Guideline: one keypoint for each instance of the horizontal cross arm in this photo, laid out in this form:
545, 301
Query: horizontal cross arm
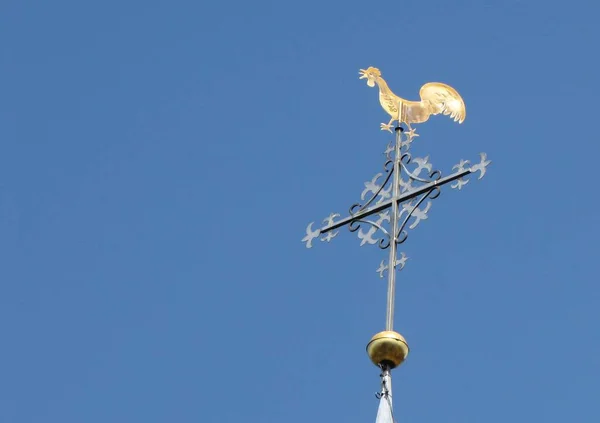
401, 199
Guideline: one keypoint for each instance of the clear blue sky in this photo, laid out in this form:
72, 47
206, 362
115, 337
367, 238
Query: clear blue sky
159, 162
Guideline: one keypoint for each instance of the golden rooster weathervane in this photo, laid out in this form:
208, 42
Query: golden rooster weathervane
395, 201
436, 98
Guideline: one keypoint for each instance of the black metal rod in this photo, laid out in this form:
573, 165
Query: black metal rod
406, 196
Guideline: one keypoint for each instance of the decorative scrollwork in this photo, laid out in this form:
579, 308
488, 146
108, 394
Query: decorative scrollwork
402, 261
329, 221
410, 135
401, 236
461, 182
399, 264
414, 212
310, 235
435, 193
422, 164
481, 167
375, 189
382, 268
417, 183
366, 237
391, 147
461, 167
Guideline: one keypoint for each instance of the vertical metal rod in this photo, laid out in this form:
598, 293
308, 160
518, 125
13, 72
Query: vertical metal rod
391, 293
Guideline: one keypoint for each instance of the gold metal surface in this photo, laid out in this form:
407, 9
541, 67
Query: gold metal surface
436, 98
388, 347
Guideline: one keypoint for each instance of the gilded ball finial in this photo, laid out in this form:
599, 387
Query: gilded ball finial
387, 348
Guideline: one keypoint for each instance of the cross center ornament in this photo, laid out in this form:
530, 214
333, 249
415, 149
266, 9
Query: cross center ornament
396, 200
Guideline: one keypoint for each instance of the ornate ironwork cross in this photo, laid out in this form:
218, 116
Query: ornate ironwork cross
396, 197
397, 200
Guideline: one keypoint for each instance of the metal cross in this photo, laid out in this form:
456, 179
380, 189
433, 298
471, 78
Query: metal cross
397, 203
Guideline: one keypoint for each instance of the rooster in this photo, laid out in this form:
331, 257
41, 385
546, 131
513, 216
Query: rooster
436, 98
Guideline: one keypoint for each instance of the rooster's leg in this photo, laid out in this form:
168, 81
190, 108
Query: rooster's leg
387, 126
